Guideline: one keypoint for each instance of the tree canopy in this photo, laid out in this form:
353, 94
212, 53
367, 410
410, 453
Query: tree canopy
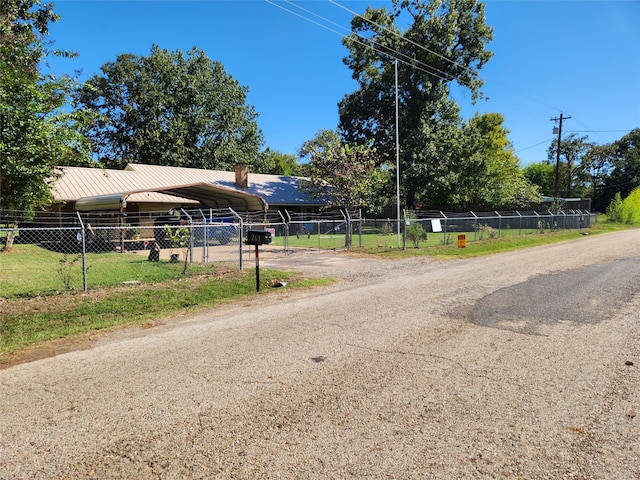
278, 163
444, 44
541, 174
348, 176
572, 174
171, 109
489, 175
625, 173
37, 132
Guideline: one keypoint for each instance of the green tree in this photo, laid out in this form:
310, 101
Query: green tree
277, 163
541, 174
598, 163
348, 176
614, 210
37, 133
168, 109
625, 172
573, 178
489, 175
443, 45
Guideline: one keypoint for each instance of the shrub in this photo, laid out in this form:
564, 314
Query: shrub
416, 233
614, 209
627, 210
630, 211
488, 229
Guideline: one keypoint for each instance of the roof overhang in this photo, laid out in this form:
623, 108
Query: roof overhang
210, 196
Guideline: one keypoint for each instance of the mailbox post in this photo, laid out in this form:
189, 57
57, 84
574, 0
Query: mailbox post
257, 237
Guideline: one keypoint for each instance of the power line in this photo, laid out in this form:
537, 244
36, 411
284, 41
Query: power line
535, 145
439, 55
369, 43
422, 47
405, 59
600, 131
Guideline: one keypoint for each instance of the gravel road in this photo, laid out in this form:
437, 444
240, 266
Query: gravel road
517, 365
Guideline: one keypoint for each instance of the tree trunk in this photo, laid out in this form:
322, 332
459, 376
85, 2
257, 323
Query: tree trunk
11, 235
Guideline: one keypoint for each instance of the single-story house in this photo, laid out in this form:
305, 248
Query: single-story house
143, 188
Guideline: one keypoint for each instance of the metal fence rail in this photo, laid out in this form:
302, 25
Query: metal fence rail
82, 250
482, 225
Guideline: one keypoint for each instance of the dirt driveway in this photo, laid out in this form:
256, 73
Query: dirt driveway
516, 365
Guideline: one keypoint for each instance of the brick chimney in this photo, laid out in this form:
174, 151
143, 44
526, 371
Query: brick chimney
242, 176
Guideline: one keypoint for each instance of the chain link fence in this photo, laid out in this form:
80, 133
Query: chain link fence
484, 225
73, 251
56, 252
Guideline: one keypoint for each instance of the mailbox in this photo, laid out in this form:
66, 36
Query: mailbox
258, 237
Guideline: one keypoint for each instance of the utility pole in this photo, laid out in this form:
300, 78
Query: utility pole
397, 156
556, 184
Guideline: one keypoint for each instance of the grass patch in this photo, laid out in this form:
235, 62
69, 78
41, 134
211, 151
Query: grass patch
30, 270
488, 246
28, 322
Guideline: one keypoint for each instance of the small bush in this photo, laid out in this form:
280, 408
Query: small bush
613, 211
488, 229
625, 211
66, 269
416, 233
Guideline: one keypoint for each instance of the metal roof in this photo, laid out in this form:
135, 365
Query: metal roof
277, 190
154, 183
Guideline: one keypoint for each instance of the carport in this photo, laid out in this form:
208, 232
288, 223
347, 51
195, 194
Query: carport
208, 195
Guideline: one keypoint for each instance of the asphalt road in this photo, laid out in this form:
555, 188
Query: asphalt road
516, 365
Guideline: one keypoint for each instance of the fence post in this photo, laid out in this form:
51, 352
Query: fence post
360, 228
235, 214
83, 234
347, 231
444, 230
287, 230
475, 226
406, 223
286, 233
519, 222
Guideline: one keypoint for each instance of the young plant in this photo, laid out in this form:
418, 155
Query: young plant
416, 233
65, 269
180, 238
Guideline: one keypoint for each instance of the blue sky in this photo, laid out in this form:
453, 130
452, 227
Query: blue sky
581, 58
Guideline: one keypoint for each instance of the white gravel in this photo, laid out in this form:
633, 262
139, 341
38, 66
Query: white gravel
514, 365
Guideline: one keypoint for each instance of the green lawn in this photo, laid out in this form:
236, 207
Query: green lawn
375, 240
30, 270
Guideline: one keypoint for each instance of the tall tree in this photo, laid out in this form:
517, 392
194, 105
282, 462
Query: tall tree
168, 109
36, 132
347, 176
444, 44
573, 178
625, 175
490, 175
277, 163
541, 174
597, 162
